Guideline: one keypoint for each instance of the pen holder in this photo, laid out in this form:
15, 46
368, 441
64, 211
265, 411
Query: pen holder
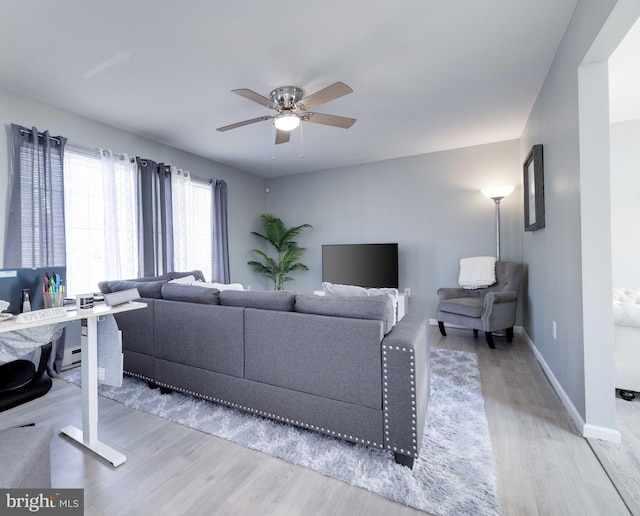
53, 299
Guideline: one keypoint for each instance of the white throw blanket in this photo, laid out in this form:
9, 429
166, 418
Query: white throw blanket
477, 272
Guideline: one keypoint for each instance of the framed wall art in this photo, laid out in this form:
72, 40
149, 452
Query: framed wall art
533, 169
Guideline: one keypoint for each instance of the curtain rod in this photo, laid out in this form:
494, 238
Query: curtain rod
40, 135
96, 151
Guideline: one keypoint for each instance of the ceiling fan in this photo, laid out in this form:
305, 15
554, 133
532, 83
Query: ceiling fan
293, 108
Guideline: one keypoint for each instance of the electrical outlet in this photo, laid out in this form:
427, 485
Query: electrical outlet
554, 329
100, 373
407, 292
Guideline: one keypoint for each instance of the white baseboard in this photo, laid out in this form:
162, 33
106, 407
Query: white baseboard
566, 401
602, 433
586, 430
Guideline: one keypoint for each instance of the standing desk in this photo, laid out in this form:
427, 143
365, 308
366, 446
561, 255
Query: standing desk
88, 435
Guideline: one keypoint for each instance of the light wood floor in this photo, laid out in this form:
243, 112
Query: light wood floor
544, 467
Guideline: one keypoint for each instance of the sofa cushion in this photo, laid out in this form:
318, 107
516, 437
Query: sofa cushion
379, 308
469, 306
328, 357
26, 458
201, 336
151, 289
106, 287
281, 300
626, 307
190, 294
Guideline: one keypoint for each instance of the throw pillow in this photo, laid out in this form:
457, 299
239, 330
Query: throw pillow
280, 300
379, 308
335, 290
219, 286
184, 279
151, 289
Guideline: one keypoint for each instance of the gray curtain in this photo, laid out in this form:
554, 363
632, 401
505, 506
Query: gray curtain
156, 227
220, 238
35, 235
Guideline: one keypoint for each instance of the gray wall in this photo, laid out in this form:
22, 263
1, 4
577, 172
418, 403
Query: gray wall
430, 204
625, 208
246, 191
554, 254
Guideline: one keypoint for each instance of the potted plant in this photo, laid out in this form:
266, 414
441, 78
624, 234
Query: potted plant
277, 235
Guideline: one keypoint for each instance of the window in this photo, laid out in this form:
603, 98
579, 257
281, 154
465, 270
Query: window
84, 222
101, 220
191, 224
200, 228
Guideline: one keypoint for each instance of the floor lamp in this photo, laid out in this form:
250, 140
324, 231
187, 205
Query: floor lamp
497, 193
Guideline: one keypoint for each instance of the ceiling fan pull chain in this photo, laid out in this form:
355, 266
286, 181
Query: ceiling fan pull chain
273, 142
301, 156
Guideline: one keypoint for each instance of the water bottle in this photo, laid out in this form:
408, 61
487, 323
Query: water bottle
25, 300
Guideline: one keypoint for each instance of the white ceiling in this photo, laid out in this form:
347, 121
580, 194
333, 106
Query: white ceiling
427, 75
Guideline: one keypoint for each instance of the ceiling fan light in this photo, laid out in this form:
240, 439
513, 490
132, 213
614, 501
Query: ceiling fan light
287, 121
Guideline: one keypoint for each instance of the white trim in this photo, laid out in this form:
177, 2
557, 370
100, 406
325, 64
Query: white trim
586, 430
566, 401
602, 433
595, 219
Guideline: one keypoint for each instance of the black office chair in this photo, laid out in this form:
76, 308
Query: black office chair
20, 381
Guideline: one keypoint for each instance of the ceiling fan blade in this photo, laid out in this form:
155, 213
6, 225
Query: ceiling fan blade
334, 91
282, 136
246, 122
332, 120
256, 97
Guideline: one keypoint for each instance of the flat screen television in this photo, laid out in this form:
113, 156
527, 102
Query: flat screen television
365, 265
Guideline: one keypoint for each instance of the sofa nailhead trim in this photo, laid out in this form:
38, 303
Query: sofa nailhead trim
414, 416
250, 409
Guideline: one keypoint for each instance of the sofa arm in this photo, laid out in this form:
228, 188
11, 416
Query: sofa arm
499, 310
500, 297
451, 293
406, 385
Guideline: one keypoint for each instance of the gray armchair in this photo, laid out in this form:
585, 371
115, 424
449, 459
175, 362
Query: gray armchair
488, 309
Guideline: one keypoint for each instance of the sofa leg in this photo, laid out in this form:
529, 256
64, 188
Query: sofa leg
510, 334
475, 332
441, 326
489, 337
403, 460
165, 390
152, 385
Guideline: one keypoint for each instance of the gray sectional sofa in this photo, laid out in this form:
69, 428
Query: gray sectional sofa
336, 365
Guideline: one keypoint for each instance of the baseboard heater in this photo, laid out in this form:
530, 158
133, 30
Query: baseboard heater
72, 357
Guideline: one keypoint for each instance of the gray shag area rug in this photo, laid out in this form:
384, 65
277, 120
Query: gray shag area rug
455, 474
622, 461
